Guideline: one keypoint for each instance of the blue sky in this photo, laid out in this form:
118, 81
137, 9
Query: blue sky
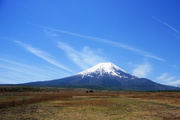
50, 39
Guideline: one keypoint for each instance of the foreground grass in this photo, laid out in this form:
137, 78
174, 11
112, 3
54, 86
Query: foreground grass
117, 108
96, 106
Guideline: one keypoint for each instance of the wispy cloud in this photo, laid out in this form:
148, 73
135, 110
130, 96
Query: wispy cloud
45, 56
163, 76
109, 42
173, 66
169, 26
85, 58
50, 33
168, 79
16, 72
142, 70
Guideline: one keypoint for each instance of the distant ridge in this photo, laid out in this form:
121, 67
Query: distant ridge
104, 76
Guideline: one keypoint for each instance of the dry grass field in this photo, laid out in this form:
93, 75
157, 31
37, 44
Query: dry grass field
79, 105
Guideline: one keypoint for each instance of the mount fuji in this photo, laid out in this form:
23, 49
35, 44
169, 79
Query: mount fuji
105, 76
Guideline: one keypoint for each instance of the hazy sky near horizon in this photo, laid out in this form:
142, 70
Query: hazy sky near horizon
50, 39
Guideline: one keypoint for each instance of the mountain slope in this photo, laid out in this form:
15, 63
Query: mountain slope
105, 76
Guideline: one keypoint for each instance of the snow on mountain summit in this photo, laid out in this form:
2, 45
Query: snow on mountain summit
105, 68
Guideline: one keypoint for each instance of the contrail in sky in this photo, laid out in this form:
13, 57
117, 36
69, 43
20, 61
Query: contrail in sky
172, 28
113, 43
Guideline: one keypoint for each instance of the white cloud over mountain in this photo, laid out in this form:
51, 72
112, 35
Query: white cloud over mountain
84, 58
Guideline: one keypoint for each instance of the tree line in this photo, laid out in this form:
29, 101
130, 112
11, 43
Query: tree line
26, 89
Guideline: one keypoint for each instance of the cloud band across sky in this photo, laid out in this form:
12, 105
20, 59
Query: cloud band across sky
45, 56
109, 42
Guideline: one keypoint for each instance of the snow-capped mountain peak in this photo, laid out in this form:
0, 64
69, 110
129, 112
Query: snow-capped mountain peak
105, 69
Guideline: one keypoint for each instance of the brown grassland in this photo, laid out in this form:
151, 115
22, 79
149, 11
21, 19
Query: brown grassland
99, 105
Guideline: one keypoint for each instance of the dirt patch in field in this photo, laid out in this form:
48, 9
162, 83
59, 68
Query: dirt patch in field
100, 102
165, 112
